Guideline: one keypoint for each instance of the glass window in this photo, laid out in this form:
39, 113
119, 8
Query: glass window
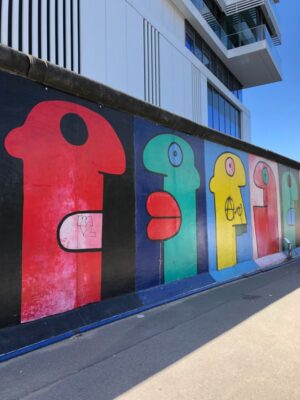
198, 49
222, 115
220, 71
210, 107
227, 118
237, 122
213, 64
216, 110
203, 52
226, 73
189, 43
206, 56
232, 122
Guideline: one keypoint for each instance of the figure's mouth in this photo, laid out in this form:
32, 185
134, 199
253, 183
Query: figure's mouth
166, 216
81, 231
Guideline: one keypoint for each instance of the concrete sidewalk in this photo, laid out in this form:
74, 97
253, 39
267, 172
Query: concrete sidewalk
240, 341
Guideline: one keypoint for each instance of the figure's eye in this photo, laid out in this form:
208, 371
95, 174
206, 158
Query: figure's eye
175, 154
230, 166
265, 176
74, 129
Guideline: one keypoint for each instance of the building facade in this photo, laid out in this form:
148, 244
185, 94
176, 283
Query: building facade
191, 57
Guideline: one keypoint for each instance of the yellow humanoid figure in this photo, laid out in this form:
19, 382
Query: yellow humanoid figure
229, 177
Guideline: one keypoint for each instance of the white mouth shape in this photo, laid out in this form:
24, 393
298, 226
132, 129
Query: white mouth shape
81, 231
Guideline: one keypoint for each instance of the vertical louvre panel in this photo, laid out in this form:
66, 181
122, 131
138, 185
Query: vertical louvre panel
75, 36
196, 93
48, 29
52, 30
60, 32
34, 28
146, 66
151, 64
9, 33
157, 68
68, 42
4, 21
25, 27
44, 30
15, 24
150, 57
78, 36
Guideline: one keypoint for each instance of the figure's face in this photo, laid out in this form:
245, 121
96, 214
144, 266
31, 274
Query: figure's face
290, 196
61, 130
263, 176
66, 150
171, 156
229, 177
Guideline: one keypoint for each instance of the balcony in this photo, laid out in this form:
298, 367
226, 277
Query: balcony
252, 35
253, 57
250, 53
230, 7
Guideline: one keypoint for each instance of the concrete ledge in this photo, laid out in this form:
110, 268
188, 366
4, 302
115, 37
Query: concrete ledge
59, 78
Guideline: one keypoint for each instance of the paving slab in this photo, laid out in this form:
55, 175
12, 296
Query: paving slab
239, 341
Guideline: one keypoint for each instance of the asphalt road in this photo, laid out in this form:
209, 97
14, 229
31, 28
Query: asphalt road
240, 341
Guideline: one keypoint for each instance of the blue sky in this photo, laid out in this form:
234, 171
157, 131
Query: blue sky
275, 108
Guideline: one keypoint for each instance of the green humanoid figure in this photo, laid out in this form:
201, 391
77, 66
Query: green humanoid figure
173, 158
290, 194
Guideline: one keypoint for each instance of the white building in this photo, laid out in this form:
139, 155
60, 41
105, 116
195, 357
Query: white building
190, 57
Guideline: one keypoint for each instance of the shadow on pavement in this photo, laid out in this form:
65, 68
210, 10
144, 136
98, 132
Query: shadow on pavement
104, 363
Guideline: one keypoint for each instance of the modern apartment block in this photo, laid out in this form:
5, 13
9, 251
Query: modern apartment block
191, 57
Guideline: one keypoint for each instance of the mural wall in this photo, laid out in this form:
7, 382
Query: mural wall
96, 203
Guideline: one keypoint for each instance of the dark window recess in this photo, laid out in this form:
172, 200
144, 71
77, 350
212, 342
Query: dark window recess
222, 115
204, 53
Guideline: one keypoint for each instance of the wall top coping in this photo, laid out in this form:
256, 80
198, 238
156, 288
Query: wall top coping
56, 77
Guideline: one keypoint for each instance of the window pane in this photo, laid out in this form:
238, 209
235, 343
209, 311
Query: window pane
206, 56
222, 113
213, 64
232, 121
226, 72
189, 43
210, 107
238, 128
216, 110
220, 71
198, 48
227, 118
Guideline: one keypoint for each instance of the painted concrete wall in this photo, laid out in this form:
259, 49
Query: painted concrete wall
98, 203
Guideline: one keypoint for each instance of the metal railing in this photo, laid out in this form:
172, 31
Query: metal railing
253, 35
244, 37
219, 30
211, 20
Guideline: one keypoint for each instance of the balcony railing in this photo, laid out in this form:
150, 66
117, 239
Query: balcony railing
253, 35
224, 37
244, 37
211, 20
